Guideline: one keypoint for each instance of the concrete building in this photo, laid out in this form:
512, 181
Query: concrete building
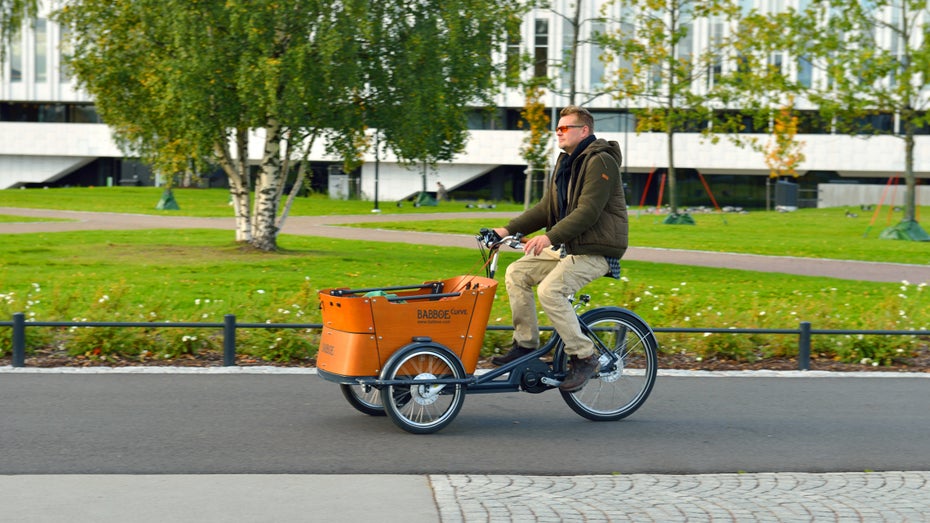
50, 135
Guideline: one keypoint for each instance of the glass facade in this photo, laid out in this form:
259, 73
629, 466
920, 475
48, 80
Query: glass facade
37, 85
48, 112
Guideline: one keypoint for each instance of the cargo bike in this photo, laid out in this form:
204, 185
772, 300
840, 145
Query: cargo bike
410, 352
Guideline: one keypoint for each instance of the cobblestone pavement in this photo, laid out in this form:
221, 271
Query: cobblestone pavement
862, 496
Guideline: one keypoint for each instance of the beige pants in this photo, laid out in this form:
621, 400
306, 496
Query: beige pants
557, 279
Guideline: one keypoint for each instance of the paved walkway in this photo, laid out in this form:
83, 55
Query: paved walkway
847, 497
852, 496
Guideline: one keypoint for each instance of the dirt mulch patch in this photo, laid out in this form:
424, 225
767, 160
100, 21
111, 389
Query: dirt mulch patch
46, 358
921, 363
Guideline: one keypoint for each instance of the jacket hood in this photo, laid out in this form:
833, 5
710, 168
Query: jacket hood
610, 147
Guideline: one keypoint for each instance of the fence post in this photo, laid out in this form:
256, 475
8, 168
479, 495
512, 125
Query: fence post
19, 340
804, 346
229, 340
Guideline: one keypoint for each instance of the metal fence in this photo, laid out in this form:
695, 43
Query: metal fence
804, 332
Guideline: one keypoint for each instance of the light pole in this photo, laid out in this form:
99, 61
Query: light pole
377, 166
626, 139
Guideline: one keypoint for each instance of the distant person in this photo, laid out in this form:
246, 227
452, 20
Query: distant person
584, 216
441, 193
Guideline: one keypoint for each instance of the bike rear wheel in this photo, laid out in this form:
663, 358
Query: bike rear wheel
428, 407
620, 388
364, 398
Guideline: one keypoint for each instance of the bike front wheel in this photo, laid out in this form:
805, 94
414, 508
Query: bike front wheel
423, 408
621, 386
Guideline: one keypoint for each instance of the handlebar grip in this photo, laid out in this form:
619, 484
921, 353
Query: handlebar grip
488, 236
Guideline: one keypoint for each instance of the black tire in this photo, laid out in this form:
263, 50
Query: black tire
367, 401
616, 392
423, 409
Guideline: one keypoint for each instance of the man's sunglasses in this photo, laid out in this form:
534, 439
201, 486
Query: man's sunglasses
564, 128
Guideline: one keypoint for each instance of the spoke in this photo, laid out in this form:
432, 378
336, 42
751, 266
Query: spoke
427, 406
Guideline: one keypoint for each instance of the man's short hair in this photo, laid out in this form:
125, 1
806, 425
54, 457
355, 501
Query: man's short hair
583, 115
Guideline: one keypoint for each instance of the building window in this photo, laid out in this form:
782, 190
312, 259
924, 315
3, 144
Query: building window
83, 113
686, 42
541, 49
625, 63
41, 51
568, 66
64, 71
715, 67
52, 112
16, 57
805, 71
775, 61
597, 65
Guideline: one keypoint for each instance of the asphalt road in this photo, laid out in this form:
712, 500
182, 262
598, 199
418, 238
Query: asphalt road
116, 423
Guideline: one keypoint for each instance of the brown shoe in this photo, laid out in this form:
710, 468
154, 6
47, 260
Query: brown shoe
516, 352
579, 372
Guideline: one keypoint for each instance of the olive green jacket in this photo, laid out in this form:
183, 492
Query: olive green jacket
596, 217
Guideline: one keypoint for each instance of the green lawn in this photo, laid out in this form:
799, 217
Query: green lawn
808, 233
200, 202
815, 233
9, 218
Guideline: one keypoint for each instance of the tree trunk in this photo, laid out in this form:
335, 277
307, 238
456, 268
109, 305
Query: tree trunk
424, 175
301, 176
237, 172
910, 193
672, 180
240, 202
573, 66
528, 188
267, 191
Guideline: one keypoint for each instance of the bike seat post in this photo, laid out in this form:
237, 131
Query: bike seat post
583, 300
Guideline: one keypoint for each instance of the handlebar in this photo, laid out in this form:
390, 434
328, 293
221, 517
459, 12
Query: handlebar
489, 239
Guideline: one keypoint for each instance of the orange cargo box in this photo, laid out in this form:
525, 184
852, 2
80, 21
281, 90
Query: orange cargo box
363, 327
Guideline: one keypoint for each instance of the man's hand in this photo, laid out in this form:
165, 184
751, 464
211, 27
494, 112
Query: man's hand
536, 244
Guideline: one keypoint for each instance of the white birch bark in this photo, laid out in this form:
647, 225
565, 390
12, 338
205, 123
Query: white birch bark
238, 174
267, 190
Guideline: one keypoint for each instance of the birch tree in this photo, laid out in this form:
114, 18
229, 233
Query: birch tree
874, 59
181, 81
660, 68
